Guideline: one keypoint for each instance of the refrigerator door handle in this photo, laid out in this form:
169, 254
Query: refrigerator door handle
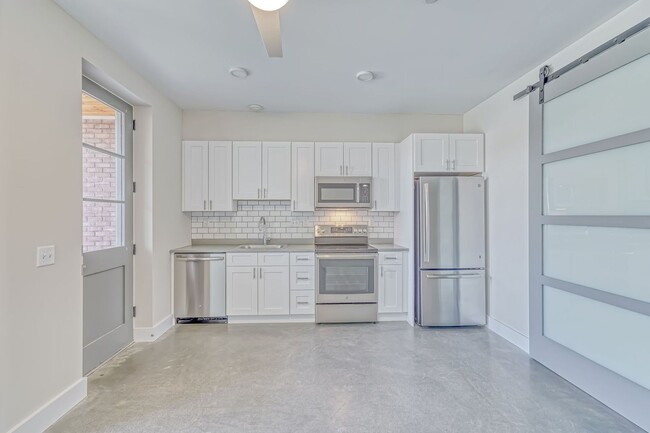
427, 222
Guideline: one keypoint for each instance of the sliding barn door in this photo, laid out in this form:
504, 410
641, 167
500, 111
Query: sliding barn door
590, 227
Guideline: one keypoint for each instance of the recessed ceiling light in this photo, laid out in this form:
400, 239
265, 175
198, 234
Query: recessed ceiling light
268, 5
365, 76
255, 107
238, 72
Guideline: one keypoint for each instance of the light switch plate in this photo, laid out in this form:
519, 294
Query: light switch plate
45, 256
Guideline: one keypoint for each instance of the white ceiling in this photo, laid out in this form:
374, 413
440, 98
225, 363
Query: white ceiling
441, 58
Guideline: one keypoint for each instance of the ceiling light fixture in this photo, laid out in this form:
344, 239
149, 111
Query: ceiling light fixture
255, 107
365, 76
268, 5
238, 72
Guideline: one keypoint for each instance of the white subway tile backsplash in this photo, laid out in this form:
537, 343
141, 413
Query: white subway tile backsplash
281, 222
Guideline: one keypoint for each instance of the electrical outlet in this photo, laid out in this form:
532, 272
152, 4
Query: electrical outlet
45, 256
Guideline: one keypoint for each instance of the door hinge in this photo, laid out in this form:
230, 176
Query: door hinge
134, 249
134, 187
134, 124
134, 311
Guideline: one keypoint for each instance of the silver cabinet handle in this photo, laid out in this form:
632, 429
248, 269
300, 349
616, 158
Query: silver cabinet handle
447, 164
347, 170
265, 193
358, 193
302, 302
258, 193
199, 259
294, 205
210, 204
453, 164
254, 270
341, 169
302, 278
390, 258
382, 271
204, 205
375, 204
302, 259
260, 273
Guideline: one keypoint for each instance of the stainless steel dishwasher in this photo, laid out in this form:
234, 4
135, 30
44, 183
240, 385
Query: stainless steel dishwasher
199, 287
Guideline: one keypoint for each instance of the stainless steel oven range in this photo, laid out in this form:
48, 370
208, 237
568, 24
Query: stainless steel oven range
346, 274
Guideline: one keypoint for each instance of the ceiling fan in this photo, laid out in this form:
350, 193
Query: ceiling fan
267, 17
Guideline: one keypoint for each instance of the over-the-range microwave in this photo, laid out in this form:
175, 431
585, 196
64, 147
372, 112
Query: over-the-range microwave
343, 192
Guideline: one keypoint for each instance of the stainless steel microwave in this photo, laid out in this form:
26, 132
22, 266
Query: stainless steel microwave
343, 192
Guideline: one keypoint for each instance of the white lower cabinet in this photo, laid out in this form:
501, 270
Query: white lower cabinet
241, 290
303, 302
273, 291
391, 283
264, 284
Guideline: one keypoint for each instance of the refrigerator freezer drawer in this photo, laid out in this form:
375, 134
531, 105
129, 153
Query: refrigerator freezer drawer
451, 298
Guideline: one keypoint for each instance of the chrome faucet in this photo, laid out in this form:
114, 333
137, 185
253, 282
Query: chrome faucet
261, 225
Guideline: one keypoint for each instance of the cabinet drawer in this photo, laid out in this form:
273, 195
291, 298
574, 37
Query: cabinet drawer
302, 302
241, 259
273, 259
390, 258
302, 259
302, 278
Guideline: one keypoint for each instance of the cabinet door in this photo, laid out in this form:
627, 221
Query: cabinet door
390, 289
276, 170
328, 159
431, 153
466, 153
358, 159
247, 170
273, 290
195, 176
241, 291
220, 169
384, 177
302, 177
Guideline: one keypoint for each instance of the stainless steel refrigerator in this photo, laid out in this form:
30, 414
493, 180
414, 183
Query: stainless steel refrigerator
450, 251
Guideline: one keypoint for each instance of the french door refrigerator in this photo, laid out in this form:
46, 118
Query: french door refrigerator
450, 251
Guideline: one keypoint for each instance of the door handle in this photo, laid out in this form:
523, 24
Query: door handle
427, 244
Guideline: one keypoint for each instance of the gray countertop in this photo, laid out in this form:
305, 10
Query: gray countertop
290, 248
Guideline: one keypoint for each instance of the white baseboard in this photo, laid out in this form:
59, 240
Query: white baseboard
391, 317
505, 331
147, 335
54, 409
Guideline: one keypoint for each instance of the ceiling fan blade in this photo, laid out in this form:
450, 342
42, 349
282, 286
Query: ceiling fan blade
268, 24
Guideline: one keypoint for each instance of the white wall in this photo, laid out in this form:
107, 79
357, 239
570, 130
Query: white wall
505, 124
230, 125
40, 107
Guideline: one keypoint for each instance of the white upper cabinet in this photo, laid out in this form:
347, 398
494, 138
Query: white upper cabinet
329, 159
343, 159
466, 152
384, 177
261, 170
302, 177
247, 170
448, 153
220, 176
195, 176
431, 152
276, 170
357, 159
207, 176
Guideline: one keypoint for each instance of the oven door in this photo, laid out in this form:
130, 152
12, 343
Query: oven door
346, 278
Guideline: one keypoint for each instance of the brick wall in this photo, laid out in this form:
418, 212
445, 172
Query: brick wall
282, 222
100, 177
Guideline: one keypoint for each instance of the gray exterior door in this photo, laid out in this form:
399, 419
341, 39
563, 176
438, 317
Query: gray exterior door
107, 141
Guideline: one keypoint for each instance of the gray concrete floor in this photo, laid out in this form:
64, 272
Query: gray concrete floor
386, 377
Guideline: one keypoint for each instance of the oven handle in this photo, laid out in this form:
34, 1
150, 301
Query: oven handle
347, 256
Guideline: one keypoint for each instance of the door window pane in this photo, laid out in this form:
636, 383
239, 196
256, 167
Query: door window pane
102, 225
614, 182
610, 336
615, 260
101, 125
609, 106
102, 175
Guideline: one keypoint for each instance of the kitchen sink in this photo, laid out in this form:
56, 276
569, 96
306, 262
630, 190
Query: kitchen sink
262, 247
